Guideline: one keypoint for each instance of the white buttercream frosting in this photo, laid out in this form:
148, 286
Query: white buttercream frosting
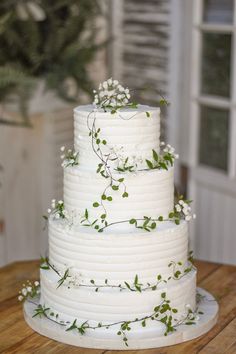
150, 192
110, 306
129, 129
118, 256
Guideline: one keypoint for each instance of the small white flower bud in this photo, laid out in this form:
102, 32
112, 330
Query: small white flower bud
24, 291
62, 156
60, 202
49, 210
36, 283
62, 148
188, 217
20, 298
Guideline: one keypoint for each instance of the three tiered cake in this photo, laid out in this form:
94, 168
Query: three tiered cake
119, 274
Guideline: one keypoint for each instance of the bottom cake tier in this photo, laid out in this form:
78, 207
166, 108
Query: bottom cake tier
132, 326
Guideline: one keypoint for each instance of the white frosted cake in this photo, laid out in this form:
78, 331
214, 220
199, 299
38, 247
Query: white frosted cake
119, 274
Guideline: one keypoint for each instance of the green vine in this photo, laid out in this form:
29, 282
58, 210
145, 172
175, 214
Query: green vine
162, 313
177, 274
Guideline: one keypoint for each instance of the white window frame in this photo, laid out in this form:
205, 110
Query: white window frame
196, 99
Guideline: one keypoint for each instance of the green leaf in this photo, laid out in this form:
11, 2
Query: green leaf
104, 197
128, 286
121, 180
98, 141
160, 218
104, 142
115, 188
109, 198
147, 114
150, 165
103, 216
153, 225
155, 155
86, 213
125, 195
163, 295
96, 204
132, 221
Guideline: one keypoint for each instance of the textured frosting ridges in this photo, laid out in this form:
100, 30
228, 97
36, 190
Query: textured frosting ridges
150, 193
112, 306
129, 129
118, 256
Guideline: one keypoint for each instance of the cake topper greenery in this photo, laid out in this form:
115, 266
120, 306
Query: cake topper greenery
50, 40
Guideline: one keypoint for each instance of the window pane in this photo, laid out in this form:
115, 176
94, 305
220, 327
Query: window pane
216, 53
218, 11
213, 139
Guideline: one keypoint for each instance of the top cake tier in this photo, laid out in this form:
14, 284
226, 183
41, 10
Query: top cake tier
129, 133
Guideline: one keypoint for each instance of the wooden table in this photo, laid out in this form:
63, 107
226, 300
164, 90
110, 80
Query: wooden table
17, 337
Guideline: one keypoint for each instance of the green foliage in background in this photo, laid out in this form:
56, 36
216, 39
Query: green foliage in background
49, 39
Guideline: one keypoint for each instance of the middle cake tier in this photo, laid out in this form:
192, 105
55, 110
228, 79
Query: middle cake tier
144, 193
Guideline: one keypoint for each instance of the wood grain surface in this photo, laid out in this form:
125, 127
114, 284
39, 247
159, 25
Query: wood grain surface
17, 337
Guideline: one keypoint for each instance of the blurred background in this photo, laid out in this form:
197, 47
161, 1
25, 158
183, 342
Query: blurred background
52, 54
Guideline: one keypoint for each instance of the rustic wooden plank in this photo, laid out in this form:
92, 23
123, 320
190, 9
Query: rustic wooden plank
231, 350
41, 345
224, 340
204, 269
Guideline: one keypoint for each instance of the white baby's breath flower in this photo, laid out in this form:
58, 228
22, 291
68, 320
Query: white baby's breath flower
194, 216
49, 210
176, 156
24, 291
128, 95
60, 202
62, 148
188, 217
126, 90
178, 208
20, 297
94, 91
57, 216
109, 81
29, 289
181, 202
105, 85
36, 283
188, 306
115, 82
62, 156
162, 143
185, 211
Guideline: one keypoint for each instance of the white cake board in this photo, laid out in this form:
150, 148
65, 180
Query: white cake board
207, 305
